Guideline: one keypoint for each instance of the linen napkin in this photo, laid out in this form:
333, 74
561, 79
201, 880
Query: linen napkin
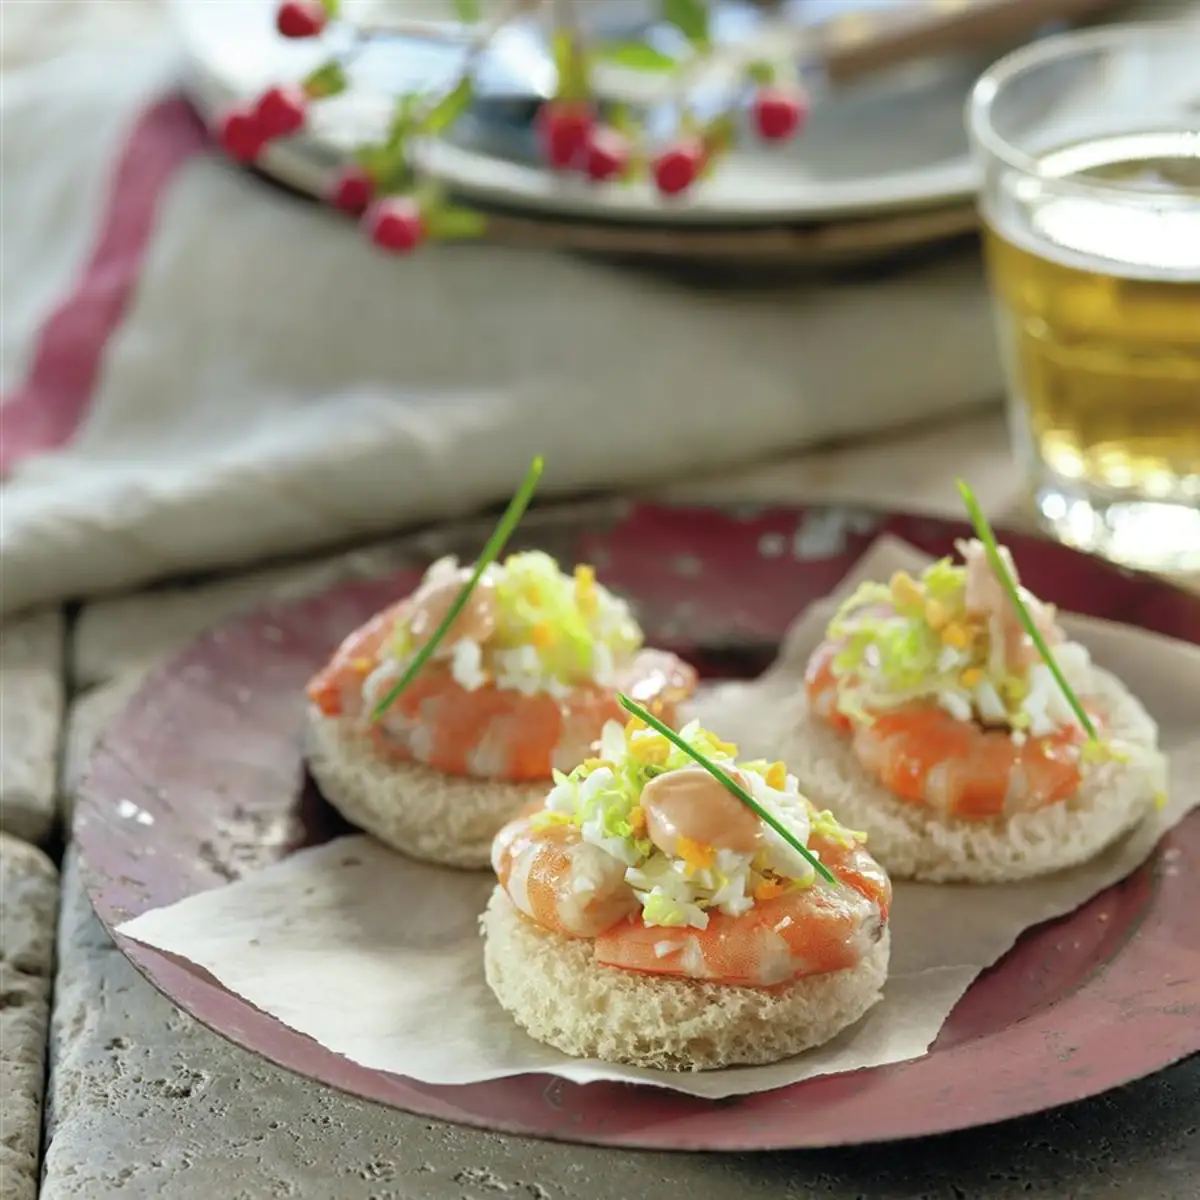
200, 370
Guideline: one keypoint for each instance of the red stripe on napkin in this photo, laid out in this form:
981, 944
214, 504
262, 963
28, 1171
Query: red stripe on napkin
49, 407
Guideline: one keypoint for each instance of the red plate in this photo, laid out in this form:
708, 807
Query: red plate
210, 748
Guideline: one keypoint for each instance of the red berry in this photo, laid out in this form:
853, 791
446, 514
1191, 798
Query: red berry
607, 155
564, 130
240, 135
353, 191
778, 113
677, 168
396, 224
301, 18
280, 112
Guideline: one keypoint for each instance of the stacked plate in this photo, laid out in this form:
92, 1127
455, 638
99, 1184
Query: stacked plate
882, 165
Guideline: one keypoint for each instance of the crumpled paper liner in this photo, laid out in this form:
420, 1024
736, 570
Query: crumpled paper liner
379, 958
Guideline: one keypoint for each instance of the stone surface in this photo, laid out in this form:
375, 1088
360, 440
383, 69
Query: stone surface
89, 714
31, 707
28, 903
145, 1103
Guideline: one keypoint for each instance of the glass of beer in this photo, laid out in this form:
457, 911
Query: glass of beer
1090, 148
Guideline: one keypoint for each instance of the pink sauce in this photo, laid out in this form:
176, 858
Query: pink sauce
690, 803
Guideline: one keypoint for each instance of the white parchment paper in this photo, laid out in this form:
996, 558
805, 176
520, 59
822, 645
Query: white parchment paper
379, 958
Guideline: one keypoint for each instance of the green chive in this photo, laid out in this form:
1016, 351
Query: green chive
496, 543
983, 531
729, 784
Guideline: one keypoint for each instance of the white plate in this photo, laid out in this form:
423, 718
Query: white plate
892, 145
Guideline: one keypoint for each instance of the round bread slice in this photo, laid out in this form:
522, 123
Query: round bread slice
444, 819
556, 991
913, 842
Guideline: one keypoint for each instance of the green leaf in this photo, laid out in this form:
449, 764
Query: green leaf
495, 545
762, 73
398, 182
387, 166
332, 8
983, 531
451, 224
638, 168
468, 11
327, 80
637, 56
430, 193
718, 137
404, 119
449, 108
622, 119
730, 785
719, 134
690, 17
370, 159
574, 74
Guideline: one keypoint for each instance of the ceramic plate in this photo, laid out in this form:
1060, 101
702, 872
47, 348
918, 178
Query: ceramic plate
1080, 1005
890, 145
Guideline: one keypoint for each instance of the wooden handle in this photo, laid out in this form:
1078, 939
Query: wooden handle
859, 44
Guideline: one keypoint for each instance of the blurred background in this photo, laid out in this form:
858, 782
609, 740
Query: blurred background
203, 364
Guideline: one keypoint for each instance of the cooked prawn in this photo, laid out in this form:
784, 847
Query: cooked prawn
985, 598
560, 881
812, 931
958, 750
571, 887
337, 688
821, 687
488, 732
809, 932
855, 867
923, 754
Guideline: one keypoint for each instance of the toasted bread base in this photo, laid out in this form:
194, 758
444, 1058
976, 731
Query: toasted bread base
914, 842
556, 991
444, 819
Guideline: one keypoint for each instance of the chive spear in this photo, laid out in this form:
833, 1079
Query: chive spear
495, 545
729, 784
983, 531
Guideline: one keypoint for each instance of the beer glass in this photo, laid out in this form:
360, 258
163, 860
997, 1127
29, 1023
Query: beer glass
1090, 148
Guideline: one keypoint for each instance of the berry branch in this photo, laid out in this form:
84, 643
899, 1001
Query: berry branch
400, 207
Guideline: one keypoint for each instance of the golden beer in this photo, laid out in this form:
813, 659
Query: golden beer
1093, 255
